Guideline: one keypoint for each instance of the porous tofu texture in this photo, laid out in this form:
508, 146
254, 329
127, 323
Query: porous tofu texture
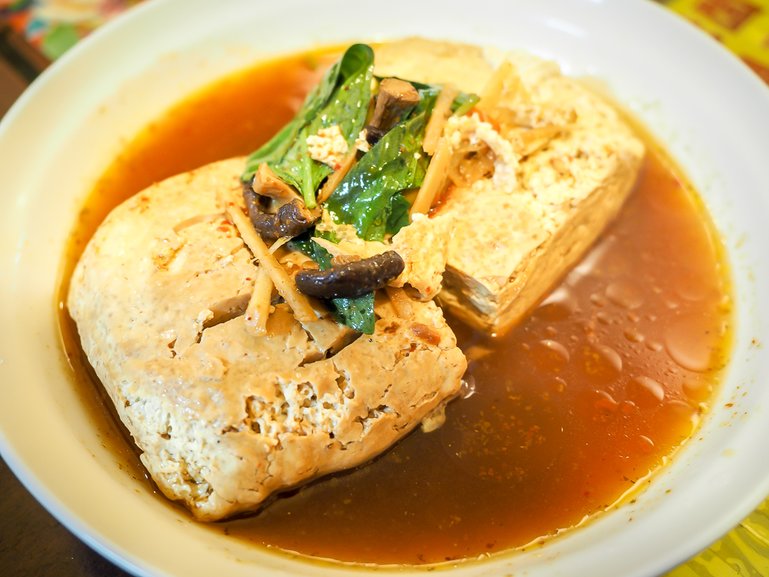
224, 418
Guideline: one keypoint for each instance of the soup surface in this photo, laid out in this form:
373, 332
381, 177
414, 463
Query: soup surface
561, 417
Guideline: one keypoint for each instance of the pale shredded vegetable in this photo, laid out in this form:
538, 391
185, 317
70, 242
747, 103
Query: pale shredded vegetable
280, 278
258, 309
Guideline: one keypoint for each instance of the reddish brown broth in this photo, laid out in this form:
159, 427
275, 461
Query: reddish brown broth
602, 382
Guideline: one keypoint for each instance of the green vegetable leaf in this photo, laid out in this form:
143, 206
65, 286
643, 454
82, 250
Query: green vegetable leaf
341, 98
464, 102
398, 212
367, 196
357, 313
275, 149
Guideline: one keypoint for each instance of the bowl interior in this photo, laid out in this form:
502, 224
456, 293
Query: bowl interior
64, 131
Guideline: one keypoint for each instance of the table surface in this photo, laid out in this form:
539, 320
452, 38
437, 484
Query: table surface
33, 543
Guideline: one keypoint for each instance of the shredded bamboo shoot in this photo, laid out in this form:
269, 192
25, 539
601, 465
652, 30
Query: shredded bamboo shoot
280, 278
441, 112
279, 243
267, 183
527, 141
258, 309
400, 301
435, 179
495, 86
336, 177
329, 335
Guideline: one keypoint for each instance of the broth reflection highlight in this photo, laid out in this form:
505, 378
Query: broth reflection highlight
592, 392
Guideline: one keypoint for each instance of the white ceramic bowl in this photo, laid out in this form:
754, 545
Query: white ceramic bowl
708, 109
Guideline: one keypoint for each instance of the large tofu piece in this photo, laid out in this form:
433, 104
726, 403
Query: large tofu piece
224, 418
516, 232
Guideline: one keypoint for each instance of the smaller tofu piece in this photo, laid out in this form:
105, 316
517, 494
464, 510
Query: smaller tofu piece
517, 233
559, 164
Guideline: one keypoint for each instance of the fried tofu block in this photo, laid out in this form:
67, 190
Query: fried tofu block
540, 167
225, 418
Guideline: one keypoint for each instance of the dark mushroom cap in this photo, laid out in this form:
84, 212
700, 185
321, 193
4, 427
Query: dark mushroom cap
291, 219
353, 279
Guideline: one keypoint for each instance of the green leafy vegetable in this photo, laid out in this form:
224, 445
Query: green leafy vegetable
356, 313
464, 102
341, 98
398, 213
369, 196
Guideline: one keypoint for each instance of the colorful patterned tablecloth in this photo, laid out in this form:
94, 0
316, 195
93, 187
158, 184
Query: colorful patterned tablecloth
54, 26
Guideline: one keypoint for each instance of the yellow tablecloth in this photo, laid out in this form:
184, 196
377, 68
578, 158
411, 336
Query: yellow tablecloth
740, 25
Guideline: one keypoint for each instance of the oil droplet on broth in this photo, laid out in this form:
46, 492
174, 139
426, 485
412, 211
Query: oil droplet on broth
645, 391
690, 340
560, 351
697, 391
624, 294
467, 386
644, 444
690, 286
549, 355
605, 402
602, 363
628, 407
611, 357
681, 412
654, 346
558, 385
603, 317
598, 299
633, 335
